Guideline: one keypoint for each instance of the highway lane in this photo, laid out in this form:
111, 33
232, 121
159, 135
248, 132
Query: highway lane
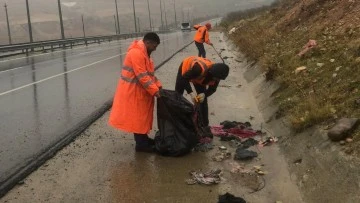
43, 99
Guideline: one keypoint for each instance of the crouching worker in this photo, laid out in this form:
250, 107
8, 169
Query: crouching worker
133, 104
205, 75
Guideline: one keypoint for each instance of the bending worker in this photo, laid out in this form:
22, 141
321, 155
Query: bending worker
205, 75
133, 104
201, 36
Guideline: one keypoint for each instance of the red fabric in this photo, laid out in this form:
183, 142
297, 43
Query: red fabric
242, 133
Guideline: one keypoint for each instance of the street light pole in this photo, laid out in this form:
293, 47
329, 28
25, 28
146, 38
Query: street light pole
8, 25
139, 29
149, 15
116, 29
166, 23
162, 21
134, 15
175, 15
117, 17
29, 21
61, 21
82, 19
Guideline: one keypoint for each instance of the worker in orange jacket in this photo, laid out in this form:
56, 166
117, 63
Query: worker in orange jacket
201, 37
133, 103
205, 75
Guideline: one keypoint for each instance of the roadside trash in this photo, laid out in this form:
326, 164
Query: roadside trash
258, 170
248, 143
209, 178
268, 141
299, 69
229, 198
177, 134
232, 30
228, 138
219, 131
311, 44
203, 147
220, 156
222, 148
244, 154
205, 140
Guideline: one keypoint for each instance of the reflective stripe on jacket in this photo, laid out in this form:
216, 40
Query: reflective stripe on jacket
202, 35
205, 64
133, 103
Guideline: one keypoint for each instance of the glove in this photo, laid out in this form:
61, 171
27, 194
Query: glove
201, 97
193, 97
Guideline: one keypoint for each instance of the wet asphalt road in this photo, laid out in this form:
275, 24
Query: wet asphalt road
43, 96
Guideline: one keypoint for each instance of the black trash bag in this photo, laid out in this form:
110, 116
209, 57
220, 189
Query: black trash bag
244, 154
230, 198
177, 133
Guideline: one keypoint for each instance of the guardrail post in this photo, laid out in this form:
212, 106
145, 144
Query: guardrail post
86, 43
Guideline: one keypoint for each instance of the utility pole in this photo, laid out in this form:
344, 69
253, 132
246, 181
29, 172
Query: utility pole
138, 20
188, 16
8, 25
61, 21
134, 15
29, 21
166, 24
149, 15
117, 17
182, 14
162, 21
175, 15
82, 19
116, 29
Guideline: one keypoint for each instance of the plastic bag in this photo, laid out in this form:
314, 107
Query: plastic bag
177, 133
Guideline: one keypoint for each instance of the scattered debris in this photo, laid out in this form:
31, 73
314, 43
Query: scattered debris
232, 30
222, 148
244, 154
209, 178
342, 142
233, 128
342, 128
268, 141
348, 140
224, 85
203, 147
320, 64
212, 113
300, 69
248, 143
220, 156
251, 117
239, 61
311, 44
332, 60
229, 198
298, 161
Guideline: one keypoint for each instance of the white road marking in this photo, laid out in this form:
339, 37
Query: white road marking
60, 74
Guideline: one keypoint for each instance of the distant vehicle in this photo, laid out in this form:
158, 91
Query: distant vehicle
185, 27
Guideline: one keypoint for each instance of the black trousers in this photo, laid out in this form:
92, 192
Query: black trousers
201, 48
141, 140
204, 109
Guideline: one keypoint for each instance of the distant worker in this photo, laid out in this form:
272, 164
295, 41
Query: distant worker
133, 103
201, 36
202, 73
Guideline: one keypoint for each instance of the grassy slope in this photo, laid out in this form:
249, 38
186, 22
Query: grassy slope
321, 94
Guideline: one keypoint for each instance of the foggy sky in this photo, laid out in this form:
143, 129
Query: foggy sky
100, 12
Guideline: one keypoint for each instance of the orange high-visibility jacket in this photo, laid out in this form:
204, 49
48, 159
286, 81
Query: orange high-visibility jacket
202, 34
133, 104
205, 64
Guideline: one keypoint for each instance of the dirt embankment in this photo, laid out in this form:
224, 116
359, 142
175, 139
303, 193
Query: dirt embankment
306, 103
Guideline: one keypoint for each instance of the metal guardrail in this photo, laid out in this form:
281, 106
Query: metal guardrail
63, 43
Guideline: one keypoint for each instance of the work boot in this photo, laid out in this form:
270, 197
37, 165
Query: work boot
151, 141
143, 144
